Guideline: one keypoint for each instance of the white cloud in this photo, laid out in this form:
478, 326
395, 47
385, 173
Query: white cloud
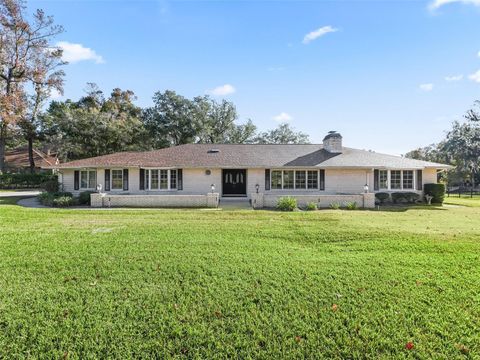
475, 76
77, 52
478, 54
283, 117
276, 68
426, 87
318, 33
439, 3
223, 90
454, 78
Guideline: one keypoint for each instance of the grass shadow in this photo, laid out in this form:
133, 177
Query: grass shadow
404, 208
12, 200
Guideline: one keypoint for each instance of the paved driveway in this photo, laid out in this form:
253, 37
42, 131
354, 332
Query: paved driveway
19, 193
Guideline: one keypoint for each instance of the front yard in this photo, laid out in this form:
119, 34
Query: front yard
217, 284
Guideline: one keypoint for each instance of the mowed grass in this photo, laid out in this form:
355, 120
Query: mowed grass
464, 200
241, 284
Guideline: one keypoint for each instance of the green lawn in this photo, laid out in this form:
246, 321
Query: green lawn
463, 200
243, 284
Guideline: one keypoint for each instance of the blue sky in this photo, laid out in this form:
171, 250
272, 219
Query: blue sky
389, 75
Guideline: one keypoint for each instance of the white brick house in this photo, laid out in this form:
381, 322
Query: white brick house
184, 175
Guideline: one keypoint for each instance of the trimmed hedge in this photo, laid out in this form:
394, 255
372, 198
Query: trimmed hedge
437, 191
84, 197
408, 197
25, 181
382, 197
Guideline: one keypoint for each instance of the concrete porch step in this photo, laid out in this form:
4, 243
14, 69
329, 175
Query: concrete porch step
234, 203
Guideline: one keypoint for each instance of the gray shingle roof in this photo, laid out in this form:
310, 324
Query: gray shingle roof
251, 156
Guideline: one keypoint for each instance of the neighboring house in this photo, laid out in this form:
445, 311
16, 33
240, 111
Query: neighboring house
17, 160
203, 174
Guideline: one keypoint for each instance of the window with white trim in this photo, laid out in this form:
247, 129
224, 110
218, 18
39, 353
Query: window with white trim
395, 179
383, 179
294, 179
300, 180
161, 179
173, 179
117, 179
276, 180
88, 179
288, 179
407, 179
312, 179
154, 180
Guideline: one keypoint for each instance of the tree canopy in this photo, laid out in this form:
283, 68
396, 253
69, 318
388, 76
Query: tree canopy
27, 59
283, 134
461, 148
94, 125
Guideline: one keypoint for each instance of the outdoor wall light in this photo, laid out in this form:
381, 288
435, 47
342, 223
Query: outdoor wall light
213, 188
257, 187
365, 188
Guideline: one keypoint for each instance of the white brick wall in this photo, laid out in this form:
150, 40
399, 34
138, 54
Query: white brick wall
161, 201
196, 181
322, 201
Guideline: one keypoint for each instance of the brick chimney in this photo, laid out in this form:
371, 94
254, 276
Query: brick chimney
333, 142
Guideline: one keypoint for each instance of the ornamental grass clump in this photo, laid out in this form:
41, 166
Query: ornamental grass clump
287, 203
311, 206
351, 205
335, 205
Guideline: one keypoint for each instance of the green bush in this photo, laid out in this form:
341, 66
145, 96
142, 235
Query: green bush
437, 191
411, 197
63, 201
351, 205
382, 197
335, 205
311, 206
51, 186
52, 199
64, 193
397, 197
287, 203
406, 197
84, 197
46, 198
25, 181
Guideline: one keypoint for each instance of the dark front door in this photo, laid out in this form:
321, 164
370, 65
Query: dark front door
234, 182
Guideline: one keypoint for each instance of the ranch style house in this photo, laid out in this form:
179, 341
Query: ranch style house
203, 175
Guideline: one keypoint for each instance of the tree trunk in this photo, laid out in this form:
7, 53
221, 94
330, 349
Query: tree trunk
30, 155
473, 184
2, 149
